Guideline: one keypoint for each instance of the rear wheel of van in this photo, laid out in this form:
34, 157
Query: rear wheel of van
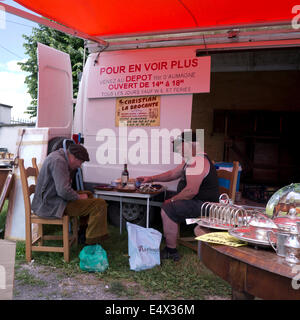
133, 213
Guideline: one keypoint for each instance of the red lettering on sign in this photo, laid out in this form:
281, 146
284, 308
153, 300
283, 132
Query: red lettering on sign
138, 77
156, 66
122, 86
135, 68
186, 63
112, 70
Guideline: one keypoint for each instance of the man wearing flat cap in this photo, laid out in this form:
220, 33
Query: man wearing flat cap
55, 197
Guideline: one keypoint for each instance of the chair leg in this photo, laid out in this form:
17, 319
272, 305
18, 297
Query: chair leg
75, 230
28, 243
66, 243
28, 250
40, 234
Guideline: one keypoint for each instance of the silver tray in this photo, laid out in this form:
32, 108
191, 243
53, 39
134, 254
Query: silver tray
250, 235
209, 224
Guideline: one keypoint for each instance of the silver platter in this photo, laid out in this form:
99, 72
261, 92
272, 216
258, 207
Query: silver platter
251, 236
209, 224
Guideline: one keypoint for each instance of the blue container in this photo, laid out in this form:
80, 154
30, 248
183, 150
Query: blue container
228, 166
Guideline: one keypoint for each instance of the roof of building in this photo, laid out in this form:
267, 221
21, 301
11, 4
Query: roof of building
5, 105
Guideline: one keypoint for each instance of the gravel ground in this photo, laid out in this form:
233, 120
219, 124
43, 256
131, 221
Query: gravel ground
37, 282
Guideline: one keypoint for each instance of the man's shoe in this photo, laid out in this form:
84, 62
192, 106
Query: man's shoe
168, 253
81, 237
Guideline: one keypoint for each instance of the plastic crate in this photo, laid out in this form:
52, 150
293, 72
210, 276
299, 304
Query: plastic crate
228, 166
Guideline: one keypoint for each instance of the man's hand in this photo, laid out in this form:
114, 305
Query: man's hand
83, 196
144, 179
168, 201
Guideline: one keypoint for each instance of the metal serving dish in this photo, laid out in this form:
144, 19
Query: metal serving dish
256, 230
285, 223
252, 236
213, 225
223, 215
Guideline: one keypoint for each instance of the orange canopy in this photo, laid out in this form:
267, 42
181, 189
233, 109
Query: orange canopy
131, 17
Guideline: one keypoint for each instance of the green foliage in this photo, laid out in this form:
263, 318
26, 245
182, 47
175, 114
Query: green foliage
55, 39
3, 214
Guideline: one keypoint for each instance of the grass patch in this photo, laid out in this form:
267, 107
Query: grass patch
120, 289
186, 279
26, 278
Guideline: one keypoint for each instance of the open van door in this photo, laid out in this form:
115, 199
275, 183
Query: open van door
55, 92
54, 119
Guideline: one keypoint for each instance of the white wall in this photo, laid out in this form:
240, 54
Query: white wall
9, 137
5, 114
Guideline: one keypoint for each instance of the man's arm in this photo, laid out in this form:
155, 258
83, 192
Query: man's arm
169, 175
165, 176
60, 174
194, 177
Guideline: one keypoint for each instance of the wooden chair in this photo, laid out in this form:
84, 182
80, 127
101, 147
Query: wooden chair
232, 176
31, 218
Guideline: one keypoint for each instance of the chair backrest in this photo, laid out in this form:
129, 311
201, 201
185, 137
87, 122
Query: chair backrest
28, 190
232, 177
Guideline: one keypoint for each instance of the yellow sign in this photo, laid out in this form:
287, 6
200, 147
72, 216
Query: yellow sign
221, 238
138, 111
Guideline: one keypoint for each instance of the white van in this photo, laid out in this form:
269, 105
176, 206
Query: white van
114, 85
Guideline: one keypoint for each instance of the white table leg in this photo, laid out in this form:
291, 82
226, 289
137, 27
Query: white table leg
147, 221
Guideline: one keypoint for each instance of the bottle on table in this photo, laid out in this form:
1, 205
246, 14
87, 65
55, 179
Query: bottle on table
124, 176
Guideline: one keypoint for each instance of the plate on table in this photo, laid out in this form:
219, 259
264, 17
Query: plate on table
150, 189
104, 187
126, 189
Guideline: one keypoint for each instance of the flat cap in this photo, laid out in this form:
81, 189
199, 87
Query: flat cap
79, 152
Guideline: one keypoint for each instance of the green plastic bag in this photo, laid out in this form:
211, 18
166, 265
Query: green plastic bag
93, 258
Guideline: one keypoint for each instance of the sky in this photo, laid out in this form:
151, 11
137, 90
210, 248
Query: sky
13, 90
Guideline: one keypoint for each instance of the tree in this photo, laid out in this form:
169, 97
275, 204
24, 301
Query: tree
55, 39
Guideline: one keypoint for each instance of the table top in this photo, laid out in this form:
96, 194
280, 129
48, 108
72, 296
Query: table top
135, 194
262, 258
5, 168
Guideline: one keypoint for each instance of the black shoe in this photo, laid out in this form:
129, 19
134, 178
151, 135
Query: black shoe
81, 237
168, 253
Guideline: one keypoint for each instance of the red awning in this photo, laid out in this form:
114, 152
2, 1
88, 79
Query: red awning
115, 17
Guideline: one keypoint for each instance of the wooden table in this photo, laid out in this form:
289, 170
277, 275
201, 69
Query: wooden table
251, 272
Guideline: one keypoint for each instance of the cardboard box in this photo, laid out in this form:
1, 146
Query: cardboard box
7, 266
